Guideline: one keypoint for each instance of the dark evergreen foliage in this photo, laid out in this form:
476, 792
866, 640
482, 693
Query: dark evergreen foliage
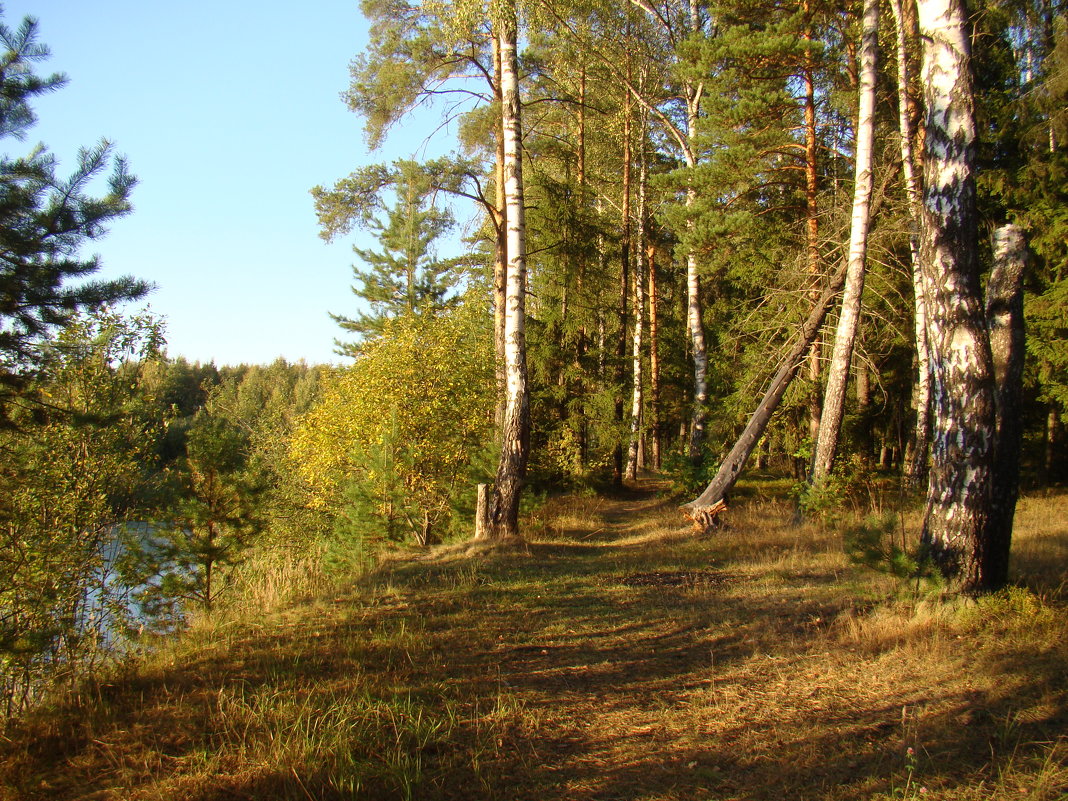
45, 220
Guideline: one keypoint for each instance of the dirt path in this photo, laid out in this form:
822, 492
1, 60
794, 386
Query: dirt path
611, 636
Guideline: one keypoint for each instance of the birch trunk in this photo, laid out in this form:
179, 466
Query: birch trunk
639, 318
916, 461
959, 490
694, 324
1005, 324
834, 396
515, 440
500, 259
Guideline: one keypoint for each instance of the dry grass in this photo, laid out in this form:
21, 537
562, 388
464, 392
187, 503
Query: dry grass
615, 656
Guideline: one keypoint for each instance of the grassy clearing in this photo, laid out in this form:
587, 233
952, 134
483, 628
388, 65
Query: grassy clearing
616, 657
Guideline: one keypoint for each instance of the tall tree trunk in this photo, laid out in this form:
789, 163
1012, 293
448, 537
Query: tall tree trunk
500, 258
1005, 323
812, 225
703, 509
624, 293
655, 430
916, 461
694, 323
962, 387
639, 311
838, 374
582, 340
515, 445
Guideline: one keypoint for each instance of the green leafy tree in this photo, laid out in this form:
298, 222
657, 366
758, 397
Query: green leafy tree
404, 424
75, 466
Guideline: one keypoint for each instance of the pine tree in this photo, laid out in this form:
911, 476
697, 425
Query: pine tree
404, 276
45, 220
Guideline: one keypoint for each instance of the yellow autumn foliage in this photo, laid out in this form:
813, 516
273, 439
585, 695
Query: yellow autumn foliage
423, 390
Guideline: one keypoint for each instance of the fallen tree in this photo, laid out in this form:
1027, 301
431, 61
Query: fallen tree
705, 508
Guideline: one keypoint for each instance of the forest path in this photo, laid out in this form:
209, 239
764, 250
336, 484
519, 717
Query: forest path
616, 655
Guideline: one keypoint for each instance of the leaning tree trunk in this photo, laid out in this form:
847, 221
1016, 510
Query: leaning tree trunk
515, 439
1005, 323
838, 374
959, 491
712, 501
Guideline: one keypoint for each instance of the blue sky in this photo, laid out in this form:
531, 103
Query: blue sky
229, 111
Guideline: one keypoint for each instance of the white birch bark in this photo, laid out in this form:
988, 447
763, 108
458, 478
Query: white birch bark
916, 463
960, 485
694, 324
515, 440
639, 318
849, 319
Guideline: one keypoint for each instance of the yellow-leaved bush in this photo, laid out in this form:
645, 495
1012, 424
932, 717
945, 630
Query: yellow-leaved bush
393, 437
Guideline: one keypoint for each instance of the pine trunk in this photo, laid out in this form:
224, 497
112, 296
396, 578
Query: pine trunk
959, 490
655, 431
624, 296
515, 440
1052, 443
812, 225
849, 319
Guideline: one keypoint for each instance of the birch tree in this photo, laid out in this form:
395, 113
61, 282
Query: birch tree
959, 491
904, 25
849, 318
515, 434
639, 308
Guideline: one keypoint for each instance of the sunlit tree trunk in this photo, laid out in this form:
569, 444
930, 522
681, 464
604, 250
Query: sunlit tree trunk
515, 440
655, 429
639, 313
500, 256
849, 319
812, 225
916, 460
959, 490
